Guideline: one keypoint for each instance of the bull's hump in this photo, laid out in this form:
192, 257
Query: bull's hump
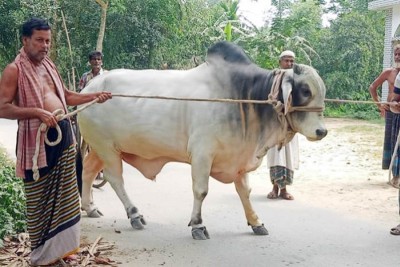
228, 52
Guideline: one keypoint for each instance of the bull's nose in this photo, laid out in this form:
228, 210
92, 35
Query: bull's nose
321, 133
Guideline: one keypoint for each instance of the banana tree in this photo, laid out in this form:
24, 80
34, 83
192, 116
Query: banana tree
230, 8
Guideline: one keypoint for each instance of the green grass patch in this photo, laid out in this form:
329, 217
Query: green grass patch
12, 199
351, 111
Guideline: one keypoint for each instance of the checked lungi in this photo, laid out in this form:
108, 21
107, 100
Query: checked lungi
392, 127
281, 176
387, 142
282, 163
53, 204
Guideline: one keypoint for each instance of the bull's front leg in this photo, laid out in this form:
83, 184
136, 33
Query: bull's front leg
114, 177
113, 173
243, 189
200, 178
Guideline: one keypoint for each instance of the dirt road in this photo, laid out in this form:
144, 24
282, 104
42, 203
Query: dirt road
341, 215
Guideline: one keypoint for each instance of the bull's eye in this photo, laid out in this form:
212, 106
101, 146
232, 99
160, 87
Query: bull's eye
306, 92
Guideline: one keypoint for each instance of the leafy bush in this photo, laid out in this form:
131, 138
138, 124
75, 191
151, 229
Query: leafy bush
354, 111
12, 199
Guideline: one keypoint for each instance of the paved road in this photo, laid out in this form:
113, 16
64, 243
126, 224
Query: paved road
300, 235
8, 133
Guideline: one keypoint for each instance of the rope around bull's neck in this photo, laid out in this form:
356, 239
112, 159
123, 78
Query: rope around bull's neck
287, 126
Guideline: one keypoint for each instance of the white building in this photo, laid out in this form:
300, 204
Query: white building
392, 31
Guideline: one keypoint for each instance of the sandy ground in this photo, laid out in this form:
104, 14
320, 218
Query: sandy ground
341, 215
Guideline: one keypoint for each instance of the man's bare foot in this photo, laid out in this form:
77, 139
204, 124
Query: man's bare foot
274, 193
394, 182
285, 195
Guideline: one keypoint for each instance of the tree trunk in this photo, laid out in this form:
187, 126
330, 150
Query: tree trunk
104, 6
73, 85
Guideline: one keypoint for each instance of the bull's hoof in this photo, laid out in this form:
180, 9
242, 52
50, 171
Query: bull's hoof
260, 230
94, 213
138, 222
200, 233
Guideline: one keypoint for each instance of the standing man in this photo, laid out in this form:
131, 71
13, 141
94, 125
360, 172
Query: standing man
96, 63
283, 161
395, 131
391, 128
31, 90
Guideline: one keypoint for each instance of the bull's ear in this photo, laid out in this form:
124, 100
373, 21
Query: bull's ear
287, 89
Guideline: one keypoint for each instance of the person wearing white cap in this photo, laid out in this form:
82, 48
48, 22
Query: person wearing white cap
282, 162
286, 59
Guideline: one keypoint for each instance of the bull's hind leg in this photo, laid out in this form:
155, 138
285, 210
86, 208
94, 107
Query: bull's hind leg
92, 165
243, 189
200, 178
113, 172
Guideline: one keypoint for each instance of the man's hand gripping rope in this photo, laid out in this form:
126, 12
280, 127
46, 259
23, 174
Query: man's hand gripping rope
43, 128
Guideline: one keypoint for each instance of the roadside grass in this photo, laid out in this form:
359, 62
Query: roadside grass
12, 199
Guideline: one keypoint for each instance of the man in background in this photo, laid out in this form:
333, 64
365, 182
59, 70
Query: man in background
96, 63
391, 129
283, 161
395, 131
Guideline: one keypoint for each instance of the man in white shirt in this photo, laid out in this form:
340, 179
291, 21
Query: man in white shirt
282, 162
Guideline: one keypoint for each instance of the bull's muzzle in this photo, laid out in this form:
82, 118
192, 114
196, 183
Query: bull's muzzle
321, 133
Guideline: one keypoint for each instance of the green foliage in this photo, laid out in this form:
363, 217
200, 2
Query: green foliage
350, 58
297, 30
230, 8
12, 199
199, 27
151, 33
347, 6
9, 34
355, 111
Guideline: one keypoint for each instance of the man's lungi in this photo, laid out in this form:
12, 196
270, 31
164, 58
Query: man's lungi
53, 204
283, 162
387, 141
395, 127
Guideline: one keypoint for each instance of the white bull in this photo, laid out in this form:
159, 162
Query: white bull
221, 140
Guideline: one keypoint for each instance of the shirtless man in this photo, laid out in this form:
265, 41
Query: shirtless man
388, 75
396, 121
31, 89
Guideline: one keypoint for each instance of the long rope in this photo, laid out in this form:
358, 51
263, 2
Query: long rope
359, 102
249, 101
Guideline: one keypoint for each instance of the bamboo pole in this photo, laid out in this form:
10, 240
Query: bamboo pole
70, 51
